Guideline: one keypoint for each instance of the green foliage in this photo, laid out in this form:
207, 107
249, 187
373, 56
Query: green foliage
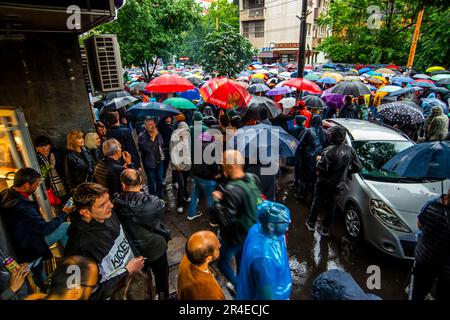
433, 45
147, 29
353, 41
226, 52
227, 13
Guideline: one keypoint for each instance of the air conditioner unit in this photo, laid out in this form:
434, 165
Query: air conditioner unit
104, 64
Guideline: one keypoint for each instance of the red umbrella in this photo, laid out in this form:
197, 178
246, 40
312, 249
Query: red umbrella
424, 80
167, 83
303, 85
225, 93
392, 66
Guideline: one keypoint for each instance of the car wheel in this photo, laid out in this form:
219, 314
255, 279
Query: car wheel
353, 222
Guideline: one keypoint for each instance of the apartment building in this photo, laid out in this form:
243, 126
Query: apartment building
272, 27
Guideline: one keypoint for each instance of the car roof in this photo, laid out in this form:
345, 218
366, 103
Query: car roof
361, 130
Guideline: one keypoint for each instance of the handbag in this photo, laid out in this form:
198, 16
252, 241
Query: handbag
53, 198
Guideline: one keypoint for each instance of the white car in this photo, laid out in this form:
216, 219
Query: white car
380, 206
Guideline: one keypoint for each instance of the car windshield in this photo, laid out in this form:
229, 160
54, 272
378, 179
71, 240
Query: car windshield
374, 154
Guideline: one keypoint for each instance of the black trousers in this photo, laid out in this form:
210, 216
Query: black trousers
325, 198
181, 177
160, 269
424, 279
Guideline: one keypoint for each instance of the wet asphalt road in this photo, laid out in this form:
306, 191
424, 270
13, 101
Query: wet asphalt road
309, 253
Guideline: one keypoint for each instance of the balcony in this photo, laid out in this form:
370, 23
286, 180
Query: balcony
252, 14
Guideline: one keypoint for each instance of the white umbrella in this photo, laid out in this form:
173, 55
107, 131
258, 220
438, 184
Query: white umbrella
287, 103
273, 71
285, 75
257, 66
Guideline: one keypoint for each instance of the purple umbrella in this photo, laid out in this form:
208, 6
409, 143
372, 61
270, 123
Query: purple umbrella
278, 91
333, 100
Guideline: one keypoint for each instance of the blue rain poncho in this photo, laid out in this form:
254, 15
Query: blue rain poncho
264, 263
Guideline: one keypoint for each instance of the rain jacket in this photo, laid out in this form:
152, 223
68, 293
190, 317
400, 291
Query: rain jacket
336, 163
433, 247
151, 151
436, 125
140, 213
237, 211
305, 154
348, 111
106, 244
180, 148
264, 262
26, 227
335, 284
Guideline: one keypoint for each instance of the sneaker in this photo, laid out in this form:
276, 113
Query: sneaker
311, 227
180, 210
188, 199
196, 216
324, 232
212, 224
231, 288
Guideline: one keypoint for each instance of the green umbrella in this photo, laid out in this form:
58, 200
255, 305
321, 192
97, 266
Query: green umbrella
180, 103
440, 77
312, 76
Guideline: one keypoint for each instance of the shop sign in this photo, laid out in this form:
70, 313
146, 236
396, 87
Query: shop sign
286, 45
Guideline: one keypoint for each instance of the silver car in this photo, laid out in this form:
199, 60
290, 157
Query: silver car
380, 206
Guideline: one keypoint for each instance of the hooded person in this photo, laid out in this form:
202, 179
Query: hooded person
298, 132
165, 129
265, 272
349, 109
337, 162
180, 156
436, 125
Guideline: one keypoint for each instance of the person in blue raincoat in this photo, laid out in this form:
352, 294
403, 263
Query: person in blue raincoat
265, 272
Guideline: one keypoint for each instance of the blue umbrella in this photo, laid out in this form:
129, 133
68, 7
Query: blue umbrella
329, 65
424, 84
400, 80
364, 70
193, 94
423, 160
403, 91
327, 80
263, 140
152, 109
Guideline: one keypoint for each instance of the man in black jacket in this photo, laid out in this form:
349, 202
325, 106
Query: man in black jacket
433, 250
151, 146
31, 235
96, 233
235, 211
139, 213
124, 136
107, 171
336, 164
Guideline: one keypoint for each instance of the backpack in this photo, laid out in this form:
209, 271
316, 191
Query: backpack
252, 198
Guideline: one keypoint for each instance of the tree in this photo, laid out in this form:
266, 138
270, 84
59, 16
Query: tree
356, 38
226, 52
224, 11
147, 29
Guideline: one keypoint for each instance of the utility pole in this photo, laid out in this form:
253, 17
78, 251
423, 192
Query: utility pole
302, 40
415, 38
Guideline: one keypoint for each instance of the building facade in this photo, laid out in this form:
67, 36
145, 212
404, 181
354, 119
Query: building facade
273, 28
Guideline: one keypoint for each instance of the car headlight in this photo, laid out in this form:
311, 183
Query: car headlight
387, 216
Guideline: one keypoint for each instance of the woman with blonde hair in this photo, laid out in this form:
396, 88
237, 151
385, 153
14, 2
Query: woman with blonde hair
92, 143
79, 163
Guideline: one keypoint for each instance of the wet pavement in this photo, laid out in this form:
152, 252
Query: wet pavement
309, 253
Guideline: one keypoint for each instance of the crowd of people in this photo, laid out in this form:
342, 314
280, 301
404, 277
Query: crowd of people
108, 192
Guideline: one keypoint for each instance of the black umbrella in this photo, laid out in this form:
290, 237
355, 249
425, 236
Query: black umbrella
260, 108
440, 72
118, 103
354, 88
256, 80
314, 102
406, 112
116, 94
258, 87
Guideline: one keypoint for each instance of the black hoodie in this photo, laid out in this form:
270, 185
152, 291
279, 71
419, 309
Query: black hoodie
140, 215
106, 244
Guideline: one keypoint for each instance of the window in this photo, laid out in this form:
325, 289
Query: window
308, 27
259, 29
246, 28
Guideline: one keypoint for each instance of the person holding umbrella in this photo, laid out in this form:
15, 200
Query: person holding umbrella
436, 125
432, 252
